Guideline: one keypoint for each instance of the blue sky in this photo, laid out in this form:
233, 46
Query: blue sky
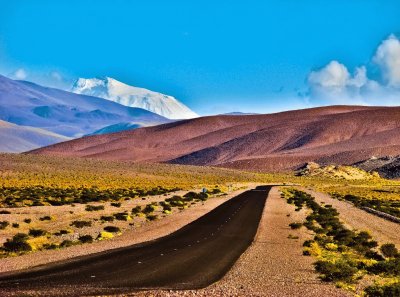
215, 56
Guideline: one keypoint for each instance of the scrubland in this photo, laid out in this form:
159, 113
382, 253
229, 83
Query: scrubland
52, 203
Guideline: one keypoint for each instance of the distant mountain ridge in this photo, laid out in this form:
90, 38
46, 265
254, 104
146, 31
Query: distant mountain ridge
272, 142
116, 91
65, 113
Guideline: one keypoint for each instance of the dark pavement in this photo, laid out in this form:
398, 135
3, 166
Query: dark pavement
193, 257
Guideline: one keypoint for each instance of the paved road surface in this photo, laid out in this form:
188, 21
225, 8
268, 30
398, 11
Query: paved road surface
193, 257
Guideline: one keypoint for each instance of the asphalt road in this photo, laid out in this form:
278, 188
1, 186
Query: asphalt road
193, 257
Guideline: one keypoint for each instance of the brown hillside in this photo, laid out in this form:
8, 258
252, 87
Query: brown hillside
280, 141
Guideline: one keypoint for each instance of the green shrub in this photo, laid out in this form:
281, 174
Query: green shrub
61, 232
295, 225
389, 267
66, 243
149, 208
389, 250
107, 218
166, 206
338, 271
17, 244
28, 221
4, 224
94, 207
15, 225
81, 224
150, 217
112, 229
50, 246
374, 255
389, 290
216, 191
122, 216
308, 243
37, 232
116, 204
46, 218
86, 238
136, 210
4, 212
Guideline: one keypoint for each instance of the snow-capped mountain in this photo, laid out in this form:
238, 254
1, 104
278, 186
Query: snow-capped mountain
65, 113
113, 90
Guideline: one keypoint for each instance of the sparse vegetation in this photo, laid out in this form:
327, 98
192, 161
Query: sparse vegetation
112, 229
81, 224
391, 207
295, 226
387, 290
389, 250
122, 216
18, 244
107, 218
94, 207
66, 243
61, 232
85, 239
136, 210
344, 255
4, 224
46, 218
37, 232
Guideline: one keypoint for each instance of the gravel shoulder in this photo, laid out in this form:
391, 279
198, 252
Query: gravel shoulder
146, 232
273, 265
382, 230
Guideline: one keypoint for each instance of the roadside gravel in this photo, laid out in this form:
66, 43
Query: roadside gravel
382, 230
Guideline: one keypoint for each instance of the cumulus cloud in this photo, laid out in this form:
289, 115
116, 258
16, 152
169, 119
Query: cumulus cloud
388, 58
20, 74
334, 83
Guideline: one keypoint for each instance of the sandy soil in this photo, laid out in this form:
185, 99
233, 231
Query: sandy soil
145, 232
273, 265
381, 230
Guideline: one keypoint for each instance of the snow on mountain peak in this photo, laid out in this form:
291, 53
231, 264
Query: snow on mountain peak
114, 90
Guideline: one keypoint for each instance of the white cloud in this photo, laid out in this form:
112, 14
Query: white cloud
388, 58
334, 83
334, 75
20, 74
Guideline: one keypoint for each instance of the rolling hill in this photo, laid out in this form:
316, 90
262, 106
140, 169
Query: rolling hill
271, 142
16, 139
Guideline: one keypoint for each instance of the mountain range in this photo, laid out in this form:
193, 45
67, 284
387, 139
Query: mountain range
116, 91
68, 114
271, 142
